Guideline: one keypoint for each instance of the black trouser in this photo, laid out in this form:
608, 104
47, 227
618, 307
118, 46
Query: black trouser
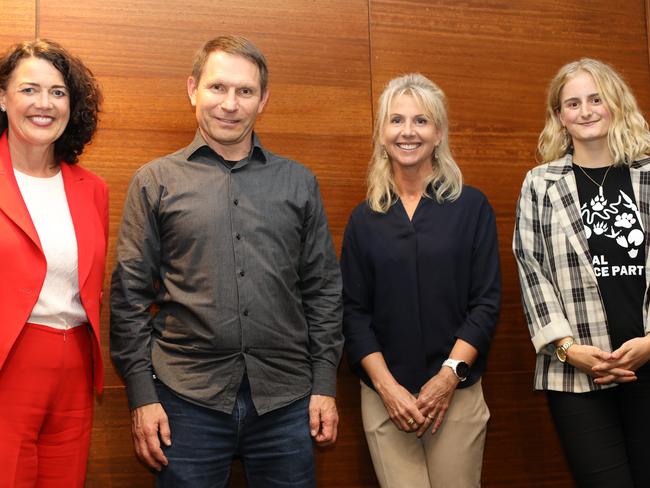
606, 434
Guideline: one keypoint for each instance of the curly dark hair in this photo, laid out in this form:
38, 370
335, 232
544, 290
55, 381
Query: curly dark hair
85, 94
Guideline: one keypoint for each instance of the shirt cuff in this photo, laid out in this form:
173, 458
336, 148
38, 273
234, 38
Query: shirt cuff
477, 338
324, 381
141, 390
359, 347
545, 336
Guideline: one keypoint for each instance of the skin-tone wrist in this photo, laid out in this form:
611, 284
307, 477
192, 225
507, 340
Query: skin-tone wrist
463, 351
377, 369
448, 374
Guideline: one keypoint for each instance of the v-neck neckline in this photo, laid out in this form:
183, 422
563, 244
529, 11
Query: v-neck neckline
415, 211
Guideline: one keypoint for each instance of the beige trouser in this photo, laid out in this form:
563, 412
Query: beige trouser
450, 458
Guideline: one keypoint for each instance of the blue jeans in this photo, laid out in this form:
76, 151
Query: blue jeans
275, 448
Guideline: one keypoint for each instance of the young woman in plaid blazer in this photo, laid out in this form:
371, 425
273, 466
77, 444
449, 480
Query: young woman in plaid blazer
581, 243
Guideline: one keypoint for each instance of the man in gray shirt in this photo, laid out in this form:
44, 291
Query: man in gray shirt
226, 296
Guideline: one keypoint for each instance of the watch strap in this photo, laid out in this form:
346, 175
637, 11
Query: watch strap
453, 364
562, 349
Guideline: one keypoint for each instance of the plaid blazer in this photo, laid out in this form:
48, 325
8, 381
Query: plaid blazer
560, 292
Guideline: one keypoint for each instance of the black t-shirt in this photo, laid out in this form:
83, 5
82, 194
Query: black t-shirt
616, 243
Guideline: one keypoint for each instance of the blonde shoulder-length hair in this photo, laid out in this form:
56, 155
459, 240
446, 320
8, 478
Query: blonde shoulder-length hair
446, 179
628, 137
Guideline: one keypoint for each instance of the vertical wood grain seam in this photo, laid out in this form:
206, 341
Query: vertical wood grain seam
370, 71
647, 29
37, 19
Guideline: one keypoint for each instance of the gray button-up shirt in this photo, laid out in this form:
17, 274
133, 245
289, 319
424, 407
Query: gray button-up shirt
225, 270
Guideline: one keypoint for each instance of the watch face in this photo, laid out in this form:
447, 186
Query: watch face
560, 352
462, 369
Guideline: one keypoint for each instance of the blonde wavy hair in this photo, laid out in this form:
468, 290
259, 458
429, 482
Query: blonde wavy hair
446, 180
628, 137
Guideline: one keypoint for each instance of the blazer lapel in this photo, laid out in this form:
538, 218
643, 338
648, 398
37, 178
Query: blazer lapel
79, 193
563, 196
11, 201
640, 175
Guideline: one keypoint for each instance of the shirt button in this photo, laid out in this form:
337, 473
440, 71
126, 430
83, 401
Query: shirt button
235, 201
245, 313
242, 273
238, 236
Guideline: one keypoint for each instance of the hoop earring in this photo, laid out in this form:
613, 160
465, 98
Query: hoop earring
435, 153
384, 153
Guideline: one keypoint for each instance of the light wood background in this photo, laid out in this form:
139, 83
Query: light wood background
329, 60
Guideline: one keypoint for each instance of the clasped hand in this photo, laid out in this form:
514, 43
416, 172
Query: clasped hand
412, 413
616, 367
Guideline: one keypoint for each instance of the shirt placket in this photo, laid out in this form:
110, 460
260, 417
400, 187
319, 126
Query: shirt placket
237, 204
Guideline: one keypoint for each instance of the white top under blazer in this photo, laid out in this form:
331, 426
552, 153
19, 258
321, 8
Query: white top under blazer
58, 304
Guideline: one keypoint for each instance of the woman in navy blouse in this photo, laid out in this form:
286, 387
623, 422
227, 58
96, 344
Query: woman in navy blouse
421, 290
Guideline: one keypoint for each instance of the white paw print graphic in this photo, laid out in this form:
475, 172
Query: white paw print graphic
598, 203
625, 220
600, 228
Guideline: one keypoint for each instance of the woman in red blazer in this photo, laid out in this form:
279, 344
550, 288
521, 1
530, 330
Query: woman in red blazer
53, 233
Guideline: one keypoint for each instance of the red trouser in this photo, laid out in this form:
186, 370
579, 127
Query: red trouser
46, 406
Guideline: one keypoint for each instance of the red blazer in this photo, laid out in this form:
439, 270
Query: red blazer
22, 262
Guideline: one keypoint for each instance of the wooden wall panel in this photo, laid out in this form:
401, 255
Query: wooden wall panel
329, 61
647, 23
494, 60
17, 22
319, 113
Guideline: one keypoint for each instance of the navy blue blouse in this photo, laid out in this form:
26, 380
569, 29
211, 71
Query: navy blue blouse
411, 287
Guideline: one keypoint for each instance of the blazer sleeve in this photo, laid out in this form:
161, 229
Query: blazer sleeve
543, 308
102, 204
104, 214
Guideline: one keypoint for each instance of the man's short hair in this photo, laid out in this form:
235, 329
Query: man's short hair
235, 45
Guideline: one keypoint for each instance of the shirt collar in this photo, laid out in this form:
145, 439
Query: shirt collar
198, 145
641, 164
